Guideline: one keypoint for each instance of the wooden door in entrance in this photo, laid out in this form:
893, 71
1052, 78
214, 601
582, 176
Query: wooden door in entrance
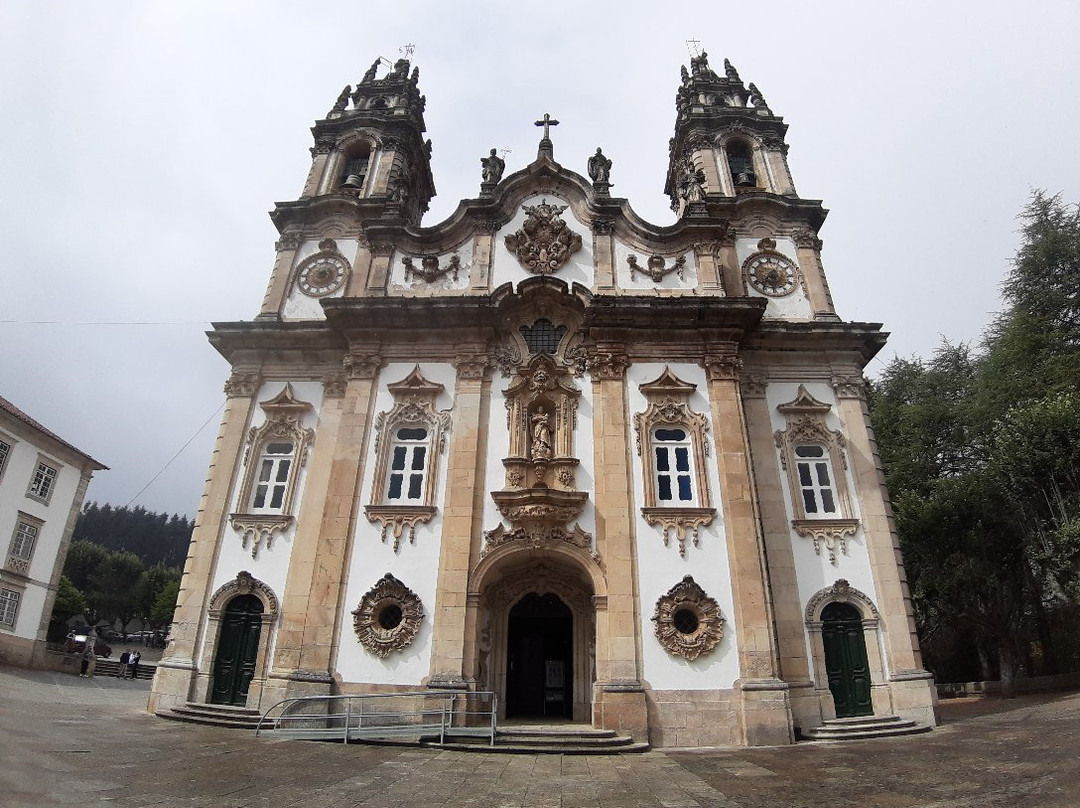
845, 660
238, 648
539, 662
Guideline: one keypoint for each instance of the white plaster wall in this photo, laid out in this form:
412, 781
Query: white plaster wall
795, 306
270, 564
507, 268
660, 567
299, 306
398, 285
640, 281
415, 565
815, 572
19, 471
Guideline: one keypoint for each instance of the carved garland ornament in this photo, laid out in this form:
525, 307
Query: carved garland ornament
656, 267
688, 622
388, 617
544, 243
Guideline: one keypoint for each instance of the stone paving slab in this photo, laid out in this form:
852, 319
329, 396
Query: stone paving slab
71, 741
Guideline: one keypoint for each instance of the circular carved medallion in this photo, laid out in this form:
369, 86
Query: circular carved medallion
388, 617
771, 273
688, 622
321, 274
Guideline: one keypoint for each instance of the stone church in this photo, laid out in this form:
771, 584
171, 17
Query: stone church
616, 473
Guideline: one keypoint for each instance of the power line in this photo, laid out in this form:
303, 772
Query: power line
178, 453
104, 322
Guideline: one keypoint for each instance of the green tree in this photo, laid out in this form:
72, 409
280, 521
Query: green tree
161, 613
153, 581
112, 587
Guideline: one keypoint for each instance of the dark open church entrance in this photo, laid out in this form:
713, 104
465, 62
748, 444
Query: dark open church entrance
237, 650
539, 659
845, 660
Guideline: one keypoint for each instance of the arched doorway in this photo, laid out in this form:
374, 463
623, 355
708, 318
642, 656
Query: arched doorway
846, 664
539, 658
237, 650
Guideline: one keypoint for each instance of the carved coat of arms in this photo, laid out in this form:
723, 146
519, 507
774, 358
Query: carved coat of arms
544, 243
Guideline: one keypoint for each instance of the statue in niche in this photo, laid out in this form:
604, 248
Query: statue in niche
493, 167
541, 436
599, 167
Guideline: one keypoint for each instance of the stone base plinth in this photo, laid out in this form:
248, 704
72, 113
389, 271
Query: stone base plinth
622, 708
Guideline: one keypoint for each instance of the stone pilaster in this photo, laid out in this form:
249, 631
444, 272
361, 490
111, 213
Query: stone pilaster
278, 287
379, 273
604, 253
453, 656
483, 254
175, 678
618, 698
808, 251
709, 267
776, 532
307, 643
764, 709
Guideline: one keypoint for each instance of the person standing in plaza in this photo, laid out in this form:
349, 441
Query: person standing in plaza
91, 660
87, 655
133, 664
121, 672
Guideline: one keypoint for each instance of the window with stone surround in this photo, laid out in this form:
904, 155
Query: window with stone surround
27, 530
43, 481
9, 607
672, 443
814, 459
408, 441
5, 453
273, 458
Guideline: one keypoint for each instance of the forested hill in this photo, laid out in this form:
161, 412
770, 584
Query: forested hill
153, 537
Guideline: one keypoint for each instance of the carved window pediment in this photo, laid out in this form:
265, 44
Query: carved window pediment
671, 440
409, 438
274, 457
814, 458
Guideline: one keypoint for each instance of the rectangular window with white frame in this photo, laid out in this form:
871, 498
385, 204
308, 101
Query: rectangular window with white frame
815, 481
5, 453
9, 607
275, 463
43, 482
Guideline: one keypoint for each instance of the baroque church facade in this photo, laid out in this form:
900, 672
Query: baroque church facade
615, 473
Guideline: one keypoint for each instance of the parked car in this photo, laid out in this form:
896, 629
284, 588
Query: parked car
77, 642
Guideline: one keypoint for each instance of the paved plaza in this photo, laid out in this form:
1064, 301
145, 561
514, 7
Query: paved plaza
71, 741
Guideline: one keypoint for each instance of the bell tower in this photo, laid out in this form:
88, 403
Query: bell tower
727, 141
370, 145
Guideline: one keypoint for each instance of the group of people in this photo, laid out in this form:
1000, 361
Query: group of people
129, 663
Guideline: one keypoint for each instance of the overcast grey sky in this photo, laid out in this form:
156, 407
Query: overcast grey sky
143, 144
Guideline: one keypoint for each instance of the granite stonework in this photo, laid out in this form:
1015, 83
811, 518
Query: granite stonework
599, 470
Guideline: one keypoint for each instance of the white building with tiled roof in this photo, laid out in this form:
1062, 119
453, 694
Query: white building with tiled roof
43, 481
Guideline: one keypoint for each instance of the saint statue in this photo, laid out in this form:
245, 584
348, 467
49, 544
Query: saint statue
541, 436
599, 167
493, 167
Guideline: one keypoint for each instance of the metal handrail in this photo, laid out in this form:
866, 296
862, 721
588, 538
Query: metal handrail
350, 711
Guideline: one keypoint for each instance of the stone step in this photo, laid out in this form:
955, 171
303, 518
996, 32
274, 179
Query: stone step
218, 715
111, 667
627, 745
864, 727
568, 739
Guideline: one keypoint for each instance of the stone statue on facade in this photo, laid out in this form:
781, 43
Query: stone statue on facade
370, 75
493, 167
540, 449
599, 167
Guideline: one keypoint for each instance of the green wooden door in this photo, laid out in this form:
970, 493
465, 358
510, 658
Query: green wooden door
238, 647
845, 660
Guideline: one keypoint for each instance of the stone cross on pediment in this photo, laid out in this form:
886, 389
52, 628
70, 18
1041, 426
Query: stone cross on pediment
545, 142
